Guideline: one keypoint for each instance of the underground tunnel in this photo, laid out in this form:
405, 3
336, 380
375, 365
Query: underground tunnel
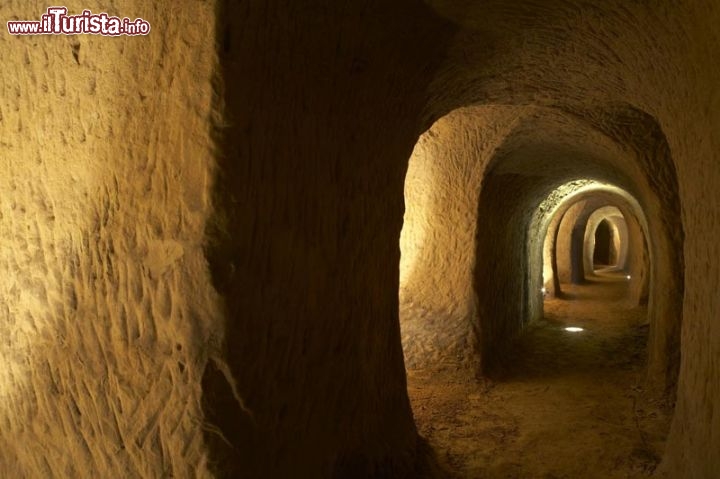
531, 198
604, 252
366, 239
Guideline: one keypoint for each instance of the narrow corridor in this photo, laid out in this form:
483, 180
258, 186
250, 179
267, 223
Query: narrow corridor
565, 405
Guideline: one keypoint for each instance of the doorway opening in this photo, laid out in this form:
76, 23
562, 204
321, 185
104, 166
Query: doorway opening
604, 254
495, 332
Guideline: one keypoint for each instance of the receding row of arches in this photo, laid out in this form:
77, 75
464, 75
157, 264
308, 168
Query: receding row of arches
507, 207
498, 218
601, 228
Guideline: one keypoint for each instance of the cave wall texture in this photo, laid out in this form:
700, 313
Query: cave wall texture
564, 243
201, 228
105, 316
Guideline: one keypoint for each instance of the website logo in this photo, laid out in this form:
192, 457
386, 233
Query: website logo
57, 22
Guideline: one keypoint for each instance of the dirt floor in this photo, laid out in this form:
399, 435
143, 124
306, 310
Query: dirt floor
567, 405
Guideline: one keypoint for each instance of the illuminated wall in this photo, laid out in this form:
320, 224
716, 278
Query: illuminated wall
105, 305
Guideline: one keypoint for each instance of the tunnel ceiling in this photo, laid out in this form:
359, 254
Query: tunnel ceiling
510, 159
548, 148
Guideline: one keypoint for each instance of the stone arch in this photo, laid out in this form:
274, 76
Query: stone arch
557, 250
603, 252
511, 168
616, 250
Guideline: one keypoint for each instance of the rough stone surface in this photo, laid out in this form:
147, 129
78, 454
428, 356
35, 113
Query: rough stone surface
178, 303
105, 310
321, 109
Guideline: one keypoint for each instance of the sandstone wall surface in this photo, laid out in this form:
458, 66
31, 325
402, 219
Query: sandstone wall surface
105, 305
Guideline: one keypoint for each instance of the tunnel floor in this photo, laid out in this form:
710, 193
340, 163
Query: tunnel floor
567, 405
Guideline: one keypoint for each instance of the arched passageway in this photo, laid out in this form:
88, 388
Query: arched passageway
204, 282
610, 226
560, 238
493, 201
308, 204
604, 253
568, 251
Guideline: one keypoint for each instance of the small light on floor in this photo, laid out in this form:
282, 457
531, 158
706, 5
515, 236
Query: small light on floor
574, 329
543, 290
628, 277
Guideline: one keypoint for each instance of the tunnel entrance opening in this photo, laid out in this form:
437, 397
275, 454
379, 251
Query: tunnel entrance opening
561, 396
548, 384
604, 253
496, 288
